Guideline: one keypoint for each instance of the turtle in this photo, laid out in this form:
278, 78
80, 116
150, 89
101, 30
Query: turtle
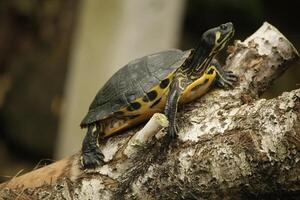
151, 84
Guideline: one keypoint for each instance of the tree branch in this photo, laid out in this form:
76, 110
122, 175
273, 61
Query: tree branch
231, 143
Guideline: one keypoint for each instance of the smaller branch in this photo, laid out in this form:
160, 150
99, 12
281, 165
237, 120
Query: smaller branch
260, 59
153, 126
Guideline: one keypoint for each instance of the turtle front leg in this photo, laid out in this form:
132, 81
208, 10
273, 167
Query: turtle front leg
171, 105
225, 79
91, 154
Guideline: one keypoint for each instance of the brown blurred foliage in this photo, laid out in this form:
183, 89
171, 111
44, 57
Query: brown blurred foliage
35, 38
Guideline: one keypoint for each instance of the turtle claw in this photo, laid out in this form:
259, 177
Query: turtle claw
92, 159
230, 76
227, 80
172, 131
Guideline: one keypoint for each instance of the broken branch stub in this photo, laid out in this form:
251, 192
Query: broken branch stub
153, 126
261, 58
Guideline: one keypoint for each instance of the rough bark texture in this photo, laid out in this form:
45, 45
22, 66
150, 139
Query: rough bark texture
231, 144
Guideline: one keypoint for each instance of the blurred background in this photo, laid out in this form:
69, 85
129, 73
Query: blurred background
56, 54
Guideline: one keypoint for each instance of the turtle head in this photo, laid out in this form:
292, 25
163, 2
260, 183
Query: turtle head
216, 38
212, 42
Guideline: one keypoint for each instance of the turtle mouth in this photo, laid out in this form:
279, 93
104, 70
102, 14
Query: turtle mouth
231, 34
227, 32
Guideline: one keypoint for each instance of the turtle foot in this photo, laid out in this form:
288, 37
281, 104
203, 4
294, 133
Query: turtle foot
92, 159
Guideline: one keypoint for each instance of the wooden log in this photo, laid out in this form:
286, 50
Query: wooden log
231, 144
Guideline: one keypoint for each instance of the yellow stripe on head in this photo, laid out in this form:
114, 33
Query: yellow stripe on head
218, 35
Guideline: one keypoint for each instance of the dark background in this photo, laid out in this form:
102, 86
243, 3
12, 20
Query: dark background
35, 41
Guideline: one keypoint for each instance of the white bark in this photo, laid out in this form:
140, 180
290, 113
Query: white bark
231, 144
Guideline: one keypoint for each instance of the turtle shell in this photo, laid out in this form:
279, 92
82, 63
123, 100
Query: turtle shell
132, 81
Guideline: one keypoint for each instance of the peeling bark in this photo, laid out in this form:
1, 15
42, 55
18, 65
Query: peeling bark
231, 144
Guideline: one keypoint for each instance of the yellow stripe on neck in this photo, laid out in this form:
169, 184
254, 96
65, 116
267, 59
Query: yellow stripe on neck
199, 87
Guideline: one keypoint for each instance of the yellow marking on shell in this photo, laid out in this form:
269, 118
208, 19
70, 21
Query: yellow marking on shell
193, 92
113, 125
122, 124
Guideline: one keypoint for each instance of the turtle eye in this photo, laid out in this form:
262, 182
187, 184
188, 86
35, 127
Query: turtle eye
223, 27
